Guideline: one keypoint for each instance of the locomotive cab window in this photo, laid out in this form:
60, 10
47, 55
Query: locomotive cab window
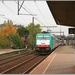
43, 38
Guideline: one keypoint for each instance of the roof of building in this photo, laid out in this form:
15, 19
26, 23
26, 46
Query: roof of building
63, 12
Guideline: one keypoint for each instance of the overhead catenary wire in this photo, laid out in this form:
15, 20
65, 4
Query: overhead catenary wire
14, 13
38, 20
45, 26
25, 9
11, 13
36, 17
6, 18
9, 19
30, 13
41, 13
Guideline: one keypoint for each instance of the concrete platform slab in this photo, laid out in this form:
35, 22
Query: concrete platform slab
61, 61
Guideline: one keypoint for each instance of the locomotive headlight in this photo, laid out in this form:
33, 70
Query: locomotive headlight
37, 48
47, 48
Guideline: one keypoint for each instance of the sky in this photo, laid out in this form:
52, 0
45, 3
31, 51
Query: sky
40, 11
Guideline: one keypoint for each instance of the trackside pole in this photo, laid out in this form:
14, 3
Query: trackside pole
74, 58
32, 33
74, 48
74, 41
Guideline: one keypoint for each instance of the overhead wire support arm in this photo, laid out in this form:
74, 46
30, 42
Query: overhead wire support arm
23, 8
48, 27
2, 1
28, 14
20, 6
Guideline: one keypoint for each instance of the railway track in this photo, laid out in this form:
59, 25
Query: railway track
7, 59
21, 65
11, 53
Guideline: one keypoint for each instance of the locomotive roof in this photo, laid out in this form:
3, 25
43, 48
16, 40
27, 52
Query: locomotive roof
46, 34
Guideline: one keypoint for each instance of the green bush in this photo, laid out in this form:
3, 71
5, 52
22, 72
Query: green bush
4, 42
16, 40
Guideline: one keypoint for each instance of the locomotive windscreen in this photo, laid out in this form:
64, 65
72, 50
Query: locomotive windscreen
43, 38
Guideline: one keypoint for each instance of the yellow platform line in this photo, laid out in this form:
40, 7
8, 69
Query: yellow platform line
49, 64
36, 67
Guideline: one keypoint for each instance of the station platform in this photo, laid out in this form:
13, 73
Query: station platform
2, 51
60, 61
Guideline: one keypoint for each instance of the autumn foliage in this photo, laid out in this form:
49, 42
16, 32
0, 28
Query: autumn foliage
8, 29
10, 37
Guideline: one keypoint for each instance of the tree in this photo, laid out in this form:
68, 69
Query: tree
8, 28
36, 30
21, 30
4, 41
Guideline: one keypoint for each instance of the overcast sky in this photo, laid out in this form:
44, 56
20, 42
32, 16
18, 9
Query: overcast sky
40, 10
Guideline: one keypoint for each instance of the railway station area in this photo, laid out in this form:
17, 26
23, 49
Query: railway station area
60, 61
37, 37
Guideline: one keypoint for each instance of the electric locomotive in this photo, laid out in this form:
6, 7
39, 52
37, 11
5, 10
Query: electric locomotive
46, 42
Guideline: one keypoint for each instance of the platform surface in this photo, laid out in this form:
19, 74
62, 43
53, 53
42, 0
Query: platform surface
61, 61
2, 51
